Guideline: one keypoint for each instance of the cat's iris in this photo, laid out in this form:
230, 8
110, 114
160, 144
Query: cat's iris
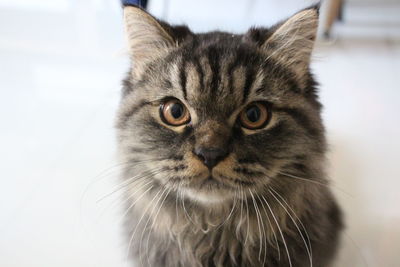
173, 112
254, 116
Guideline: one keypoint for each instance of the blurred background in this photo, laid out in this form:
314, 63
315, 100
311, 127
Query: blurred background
61, 65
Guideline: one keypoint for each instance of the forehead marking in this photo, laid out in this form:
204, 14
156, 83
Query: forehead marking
192, 80
207, 71
200, 73
225, 86
238, 77
183, 79
258, 83
215, 65
247, 84
174, 75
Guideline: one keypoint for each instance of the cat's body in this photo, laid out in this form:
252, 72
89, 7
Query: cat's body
177, 240
224, 147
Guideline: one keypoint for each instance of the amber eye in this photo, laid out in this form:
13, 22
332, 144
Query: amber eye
255, 116
174, 113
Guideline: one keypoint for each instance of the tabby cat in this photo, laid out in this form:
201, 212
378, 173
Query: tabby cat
223, 147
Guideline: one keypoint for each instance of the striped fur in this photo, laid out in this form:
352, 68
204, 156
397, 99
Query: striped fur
268, 203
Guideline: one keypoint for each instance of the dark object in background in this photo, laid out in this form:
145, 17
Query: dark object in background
334, 13
141, 3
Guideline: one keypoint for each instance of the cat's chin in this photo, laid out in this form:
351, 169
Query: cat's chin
209, 191
207, 197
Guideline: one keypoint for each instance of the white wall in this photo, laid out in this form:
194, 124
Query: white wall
60, 70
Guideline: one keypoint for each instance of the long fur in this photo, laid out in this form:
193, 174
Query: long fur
268, 203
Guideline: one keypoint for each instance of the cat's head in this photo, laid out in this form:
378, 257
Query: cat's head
210, 115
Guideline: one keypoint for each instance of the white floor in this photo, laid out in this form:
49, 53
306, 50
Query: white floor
61, 63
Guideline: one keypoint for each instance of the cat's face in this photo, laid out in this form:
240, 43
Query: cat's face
211, 115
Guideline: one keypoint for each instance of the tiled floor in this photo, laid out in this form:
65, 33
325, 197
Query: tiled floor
61, 63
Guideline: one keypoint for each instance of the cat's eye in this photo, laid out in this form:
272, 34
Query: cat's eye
255, 116
174, 113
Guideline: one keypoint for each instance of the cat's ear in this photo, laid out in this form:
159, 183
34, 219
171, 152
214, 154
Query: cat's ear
291, 42
147, 37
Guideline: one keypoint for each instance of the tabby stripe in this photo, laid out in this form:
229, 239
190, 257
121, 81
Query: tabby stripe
247, 171
250, 75
213, 59
263, 86
127, 87
167, 84
183, 78
132, 111
176, 157
235, 64
136, 150
301, 167
283, 73
278, 130
230, 71
301, 119
200, 71
246, 161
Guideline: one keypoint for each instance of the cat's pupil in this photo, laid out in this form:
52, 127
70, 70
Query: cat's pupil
253, 114
176, 110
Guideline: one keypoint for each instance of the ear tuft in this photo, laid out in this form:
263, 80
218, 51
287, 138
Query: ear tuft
147, 37
292, 42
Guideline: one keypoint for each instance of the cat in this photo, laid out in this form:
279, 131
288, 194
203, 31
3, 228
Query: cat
223, 147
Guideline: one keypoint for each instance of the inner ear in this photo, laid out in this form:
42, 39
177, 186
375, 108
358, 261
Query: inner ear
290, 42
149, 38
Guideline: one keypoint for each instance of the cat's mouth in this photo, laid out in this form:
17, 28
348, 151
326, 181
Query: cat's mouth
209, 190
211, 182
222, 182
215, 187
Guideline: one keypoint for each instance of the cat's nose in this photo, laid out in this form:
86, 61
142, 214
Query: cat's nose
210, 156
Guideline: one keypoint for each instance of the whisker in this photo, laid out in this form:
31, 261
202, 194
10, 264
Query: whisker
294, 213
363, 258
288, 175
273, 231
152, 226
298, 229
258, 223
97, 179
183, 206
147, 222
138, 182
137, 199
141, 184
240, 193
130, 181
139, 179
280, 230
248, 219
137, 225
231, 212
263, 229
121, 164
176, 207
176, 214
303, 179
